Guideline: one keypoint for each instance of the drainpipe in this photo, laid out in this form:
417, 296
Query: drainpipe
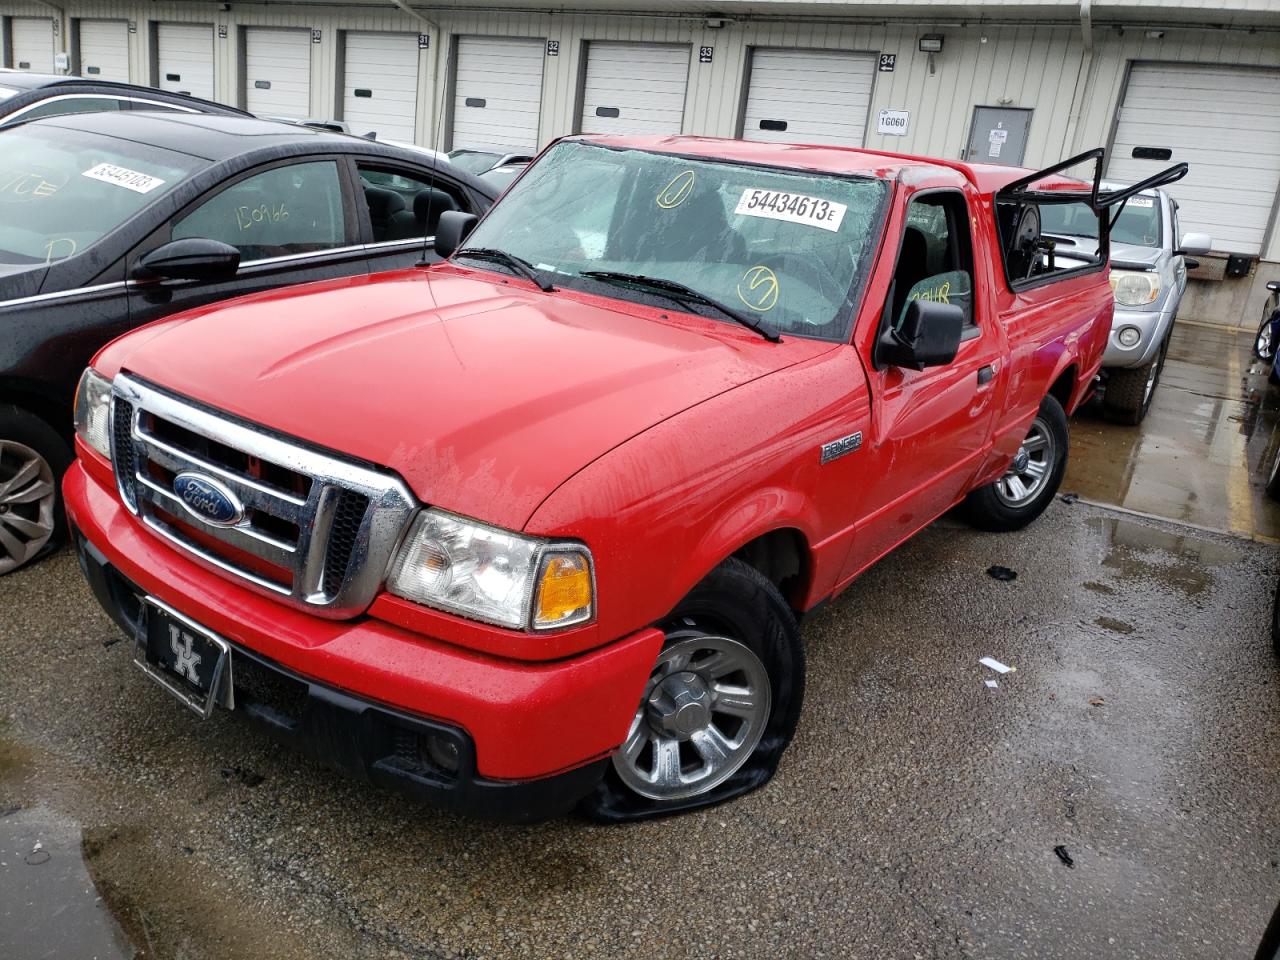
415, 14
1082, 78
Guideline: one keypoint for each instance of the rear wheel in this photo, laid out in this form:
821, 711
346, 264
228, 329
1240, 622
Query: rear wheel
32, 460
1273, 481
720, 705
1130, 392
1032, 479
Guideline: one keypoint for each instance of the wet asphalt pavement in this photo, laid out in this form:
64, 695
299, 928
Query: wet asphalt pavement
916, 814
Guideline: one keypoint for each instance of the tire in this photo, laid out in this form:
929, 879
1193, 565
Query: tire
1021, 495
1263, 346
33, 459
1130, 392
1275, 644
1273, 481
735, 618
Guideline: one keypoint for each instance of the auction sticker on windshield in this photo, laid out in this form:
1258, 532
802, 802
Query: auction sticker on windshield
791, 207
1143, 202
123, 177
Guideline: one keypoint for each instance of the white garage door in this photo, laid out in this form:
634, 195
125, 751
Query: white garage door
380, 84
1224, 122
33, 44
104, 50
277, 77
185, 58
808, 96
497, 93
634, 88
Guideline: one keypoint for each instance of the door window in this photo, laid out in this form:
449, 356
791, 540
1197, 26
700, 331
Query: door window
936, 260
405, 206
282, 211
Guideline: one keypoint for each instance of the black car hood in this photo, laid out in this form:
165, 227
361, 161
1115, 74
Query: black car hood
21, 279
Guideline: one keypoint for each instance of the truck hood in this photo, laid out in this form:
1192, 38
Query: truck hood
484, 395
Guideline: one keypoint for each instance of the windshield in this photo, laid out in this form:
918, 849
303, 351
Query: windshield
1139, 223
474, 161
786, 247
63, 190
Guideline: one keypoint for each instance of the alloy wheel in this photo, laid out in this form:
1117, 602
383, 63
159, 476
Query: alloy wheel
1031, 468
704, 709
27, 499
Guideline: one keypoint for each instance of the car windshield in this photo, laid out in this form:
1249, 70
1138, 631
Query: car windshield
788, 248
63, 190
1138, 225
474, 161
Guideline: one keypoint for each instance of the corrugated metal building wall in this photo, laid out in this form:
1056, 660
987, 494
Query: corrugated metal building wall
1074, 92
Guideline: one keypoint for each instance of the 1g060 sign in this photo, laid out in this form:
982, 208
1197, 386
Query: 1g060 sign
893, 122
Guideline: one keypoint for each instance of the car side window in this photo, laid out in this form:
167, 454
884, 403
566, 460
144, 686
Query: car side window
405, 206
285, 210
936, 259
62, 106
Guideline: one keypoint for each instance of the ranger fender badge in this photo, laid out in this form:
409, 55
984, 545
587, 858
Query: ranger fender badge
839, 448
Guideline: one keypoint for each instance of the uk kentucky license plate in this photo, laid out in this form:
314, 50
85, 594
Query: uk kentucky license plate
192, 663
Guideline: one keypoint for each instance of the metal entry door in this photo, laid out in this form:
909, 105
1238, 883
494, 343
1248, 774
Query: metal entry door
998, 135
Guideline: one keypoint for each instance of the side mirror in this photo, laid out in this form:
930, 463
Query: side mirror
195, 258
929, 337
452, 231
1193, 243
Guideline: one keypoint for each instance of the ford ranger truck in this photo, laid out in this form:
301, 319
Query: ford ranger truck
534, 528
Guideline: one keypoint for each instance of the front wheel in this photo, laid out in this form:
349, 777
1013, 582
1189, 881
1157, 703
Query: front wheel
32, 460
1130, 392
1032, 479
720, 705
1264, 347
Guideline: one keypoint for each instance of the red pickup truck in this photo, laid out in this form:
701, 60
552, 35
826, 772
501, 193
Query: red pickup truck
535, 527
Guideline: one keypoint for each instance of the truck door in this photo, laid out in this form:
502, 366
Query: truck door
930, 428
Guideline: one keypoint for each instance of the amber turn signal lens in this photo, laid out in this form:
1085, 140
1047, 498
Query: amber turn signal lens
564, 591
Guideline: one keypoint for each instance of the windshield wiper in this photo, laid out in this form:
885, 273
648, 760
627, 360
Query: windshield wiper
679, 293
517, 264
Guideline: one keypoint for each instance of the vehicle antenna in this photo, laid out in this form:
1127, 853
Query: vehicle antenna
438, 119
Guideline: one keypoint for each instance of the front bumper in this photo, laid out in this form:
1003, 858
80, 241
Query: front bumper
533, 737
1153, 324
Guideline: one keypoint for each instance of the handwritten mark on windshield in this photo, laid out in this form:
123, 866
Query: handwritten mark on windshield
54, 247
759, 289
677, 191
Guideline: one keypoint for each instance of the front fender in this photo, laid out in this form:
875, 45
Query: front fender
664, 509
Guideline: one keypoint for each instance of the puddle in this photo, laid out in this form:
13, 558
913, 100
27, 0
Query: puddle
49, 906
1114, 625
1184, 561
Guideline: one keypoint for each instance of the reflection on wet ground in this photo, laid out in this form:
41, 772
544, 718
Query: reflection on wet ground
49, 906
1204, 452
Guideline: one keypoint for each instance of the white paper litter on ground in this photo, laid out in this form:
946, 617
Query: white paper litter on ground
992, 684
995, 665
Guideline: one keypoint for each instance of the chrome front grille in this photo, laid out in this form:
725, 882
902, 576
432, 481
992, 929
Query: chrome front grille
317, 531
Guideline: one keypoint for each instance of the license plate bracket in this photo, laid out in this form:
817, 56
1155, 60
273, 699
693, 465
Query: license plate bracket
191, 662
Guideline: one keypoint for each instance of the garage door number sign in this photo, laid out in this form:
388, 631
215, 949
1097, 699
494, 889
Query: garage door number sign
791, 207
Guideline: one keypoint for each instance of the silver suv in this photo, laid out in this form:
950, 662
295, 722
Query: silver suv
1148, 277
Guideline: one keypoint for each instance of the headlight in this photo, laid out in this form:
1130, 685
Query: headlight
489, 574
93, 411
1133, 288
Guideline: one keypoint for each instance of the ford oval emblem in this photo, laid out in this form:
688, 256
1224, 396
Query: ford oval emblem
208, 500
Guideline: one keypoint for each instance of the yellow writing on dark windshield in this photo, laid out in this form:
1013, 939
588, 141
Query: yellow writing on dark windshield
27, 186
677, 191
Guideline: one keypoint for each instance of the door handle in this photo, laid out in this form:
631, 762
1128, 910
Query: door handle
986, 375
